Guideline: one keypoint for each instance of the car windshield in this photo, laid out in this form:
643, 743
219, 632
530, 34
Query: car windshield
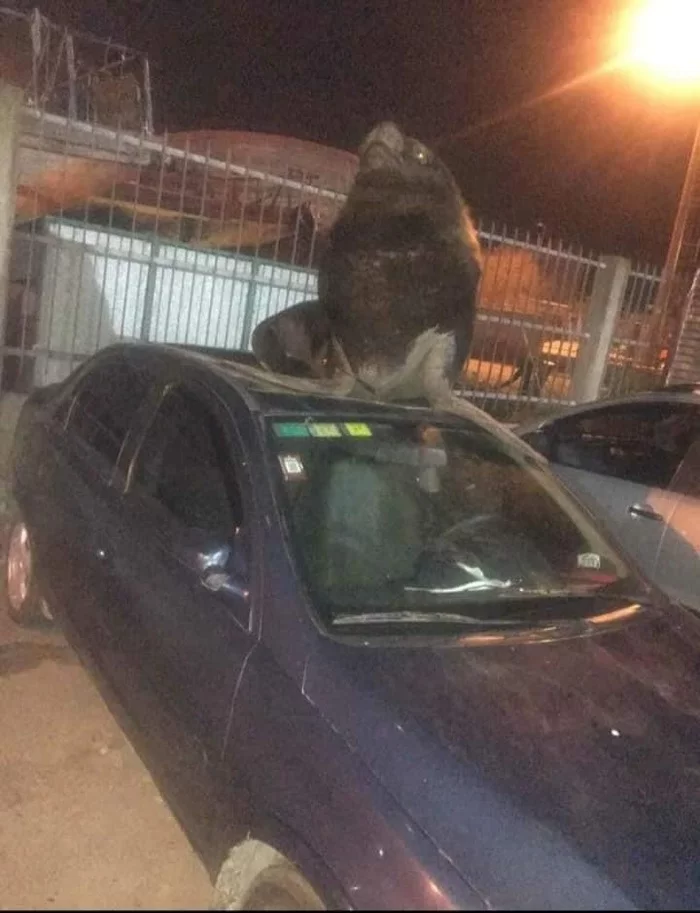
405, 520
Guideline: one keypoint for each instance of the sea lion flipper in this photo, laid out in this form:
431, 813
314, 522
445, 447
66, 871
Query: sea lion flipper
295, 341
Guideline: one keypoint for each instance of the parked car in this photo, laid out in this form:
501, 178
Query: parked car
375, 655
636, 462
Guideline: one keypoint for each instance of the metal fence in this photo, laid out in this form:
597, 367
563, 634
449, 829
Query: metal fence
123, 235
531, 321
79, 288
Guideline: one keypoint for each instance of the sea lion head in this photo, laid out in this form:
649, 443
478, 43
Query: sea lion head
400, 174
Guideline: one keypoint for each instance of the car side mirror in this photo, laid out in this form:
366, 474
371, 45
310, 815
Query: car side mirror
215, 560
541, 441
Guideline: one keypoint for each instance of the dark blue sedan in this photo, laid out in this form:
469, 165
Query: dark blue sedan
374, 655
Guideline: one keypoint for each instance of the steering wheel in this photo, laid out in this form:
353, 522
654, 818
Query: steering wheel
465, 525
443, 548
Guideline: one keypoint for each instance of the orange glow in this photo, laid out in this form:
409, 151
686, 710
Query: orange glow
661, 39
617, 615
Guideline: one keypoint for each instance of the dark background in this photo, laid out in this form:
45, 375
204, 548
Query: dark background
601, 165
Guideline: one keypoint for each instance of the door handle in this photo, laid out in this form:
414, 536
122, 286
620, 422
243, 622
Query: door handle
221, 582
644, 511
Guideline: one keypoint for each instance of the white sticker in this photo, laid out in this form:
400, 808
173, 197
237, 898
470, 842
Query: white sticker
292, 467
589, 560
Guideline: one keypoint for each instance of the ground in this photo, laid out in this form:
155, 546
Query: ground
83, 825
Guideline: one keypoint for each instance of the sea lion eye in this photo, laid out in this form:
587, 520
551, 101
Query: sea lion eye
421, 154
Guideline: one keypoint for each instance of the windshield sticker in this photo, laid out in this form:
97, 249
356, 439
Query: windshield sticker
324, 429
291, 429
589, 560
292, 467
357, 429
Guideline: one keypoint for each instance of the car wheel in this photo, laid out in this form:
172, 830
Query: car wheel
281, 887
255, 876
25, 604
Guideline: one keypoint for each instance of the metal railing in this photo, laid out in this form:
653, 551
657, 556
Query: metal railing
68, 73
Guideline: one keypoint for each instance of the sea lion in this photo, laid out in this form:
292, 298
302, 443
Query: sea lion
397, 282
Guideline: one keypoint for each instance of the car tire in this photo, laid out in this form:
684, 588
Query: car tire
255, 876
281, 887
21, 593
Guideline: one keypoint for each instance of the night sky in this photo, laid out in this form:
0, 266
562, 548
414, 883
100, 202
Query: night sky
601, 165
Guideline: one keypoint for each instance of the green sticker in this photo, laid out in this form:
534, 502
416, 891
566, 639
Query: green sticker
357, 429
324, 429
291, 429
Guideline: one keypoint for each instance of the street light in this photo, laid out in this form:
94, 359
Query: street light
660, 41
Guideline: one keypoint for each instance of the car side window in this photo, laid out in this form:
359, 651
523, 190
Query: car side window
639, 442
185, 466
104, 407
687, 480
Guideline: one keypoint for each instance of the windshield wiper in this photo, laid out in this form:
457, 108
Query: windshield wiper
409, 617
506, 589
370, 618
589, 593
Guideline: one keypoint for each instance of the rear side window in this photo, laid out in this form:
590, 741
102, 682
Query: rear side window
185, 466
104, 408
644, 443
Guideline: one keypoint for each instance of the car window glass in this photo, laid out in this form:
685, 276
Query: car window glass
184, 465
104, 407
686, 481
642, 442
399, 516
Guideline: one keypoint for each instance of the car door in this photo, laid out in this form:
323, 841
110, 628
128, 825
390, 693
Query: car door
622, 459
182, 604
83, 499
677, 564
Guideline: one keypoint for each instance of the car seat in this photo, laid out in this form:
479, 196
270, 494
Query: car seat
360, 523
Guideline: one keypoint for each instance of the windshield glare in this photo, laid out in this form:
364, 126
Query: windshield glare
407, 517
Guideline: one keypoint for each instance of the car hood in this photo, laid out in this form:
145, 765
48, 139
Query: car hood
559, 775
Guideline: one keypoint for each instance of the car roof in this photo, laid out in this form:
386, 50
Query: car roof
262, 393
674, 393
